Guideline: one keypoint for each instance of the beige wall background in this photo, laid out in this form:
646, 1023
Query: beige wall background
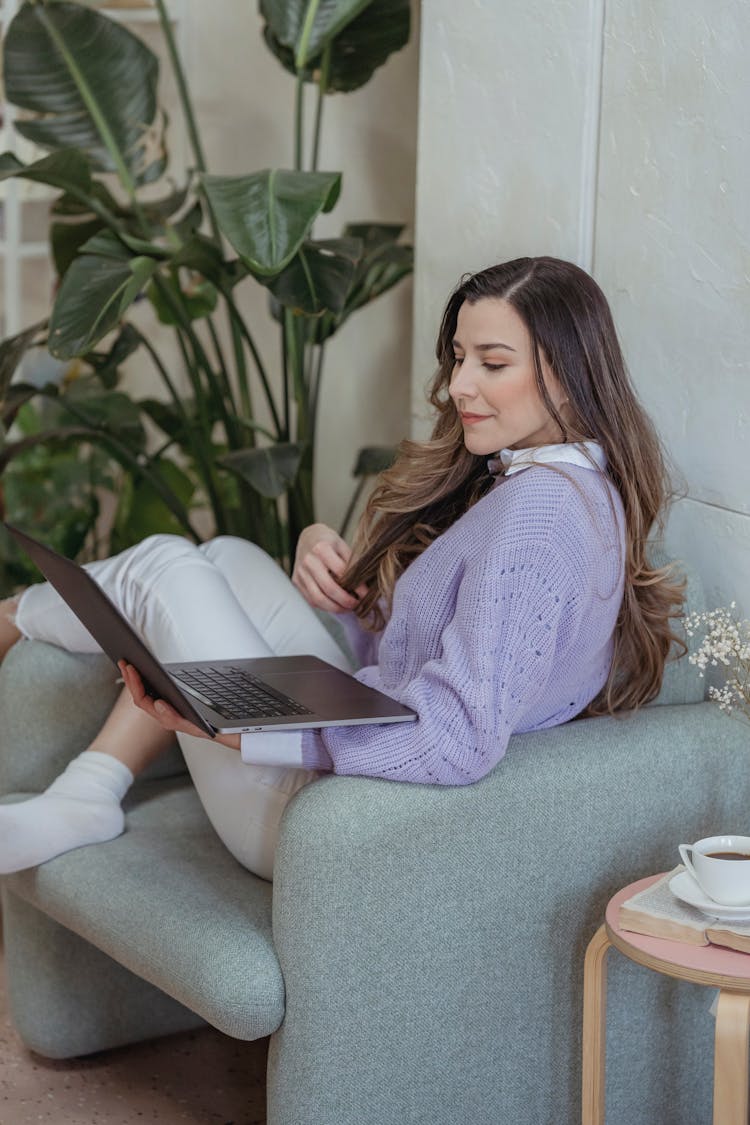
613, 135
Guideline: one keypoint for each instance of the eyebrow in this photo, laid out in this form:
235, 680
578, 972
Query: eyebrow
485, 347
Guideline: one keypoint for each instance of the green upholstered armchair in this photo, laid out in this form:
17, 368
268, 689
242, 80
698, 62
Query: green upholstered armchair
419, 956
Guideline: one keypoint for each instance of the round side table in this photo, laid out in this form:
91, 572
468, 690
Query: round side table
724, 969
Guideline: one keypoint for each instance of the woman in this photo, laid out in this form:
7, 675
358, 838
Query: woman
498, 583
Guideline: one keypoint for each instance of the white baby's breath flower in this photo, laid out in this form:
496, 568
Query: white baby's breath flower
726, 642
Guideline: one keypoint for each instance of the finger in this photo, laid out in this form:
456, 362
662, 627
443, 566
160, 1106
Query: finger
328, 586
342, 548
168, 716
314, 597
132, 680
334, 561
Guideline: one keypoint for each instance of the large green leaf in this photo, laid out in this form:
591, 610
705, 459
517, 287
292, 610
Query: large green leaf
16, 396
111, 412
12, 351
94, 294
267, 215
88, 82
354, 53
307, 26
374, 459
69, 170
203, 256
196, 299
106, 364
69, 204
383, 263
319, 276
66, 239
270, 471
169, 420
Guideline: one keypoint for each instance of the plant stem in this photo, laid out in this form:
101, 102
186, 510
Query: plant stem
300, 497
299, 110
204, 456
285, 377
182, 87
221, 363
158, 363
241, 366
325, 67
242, 327
296, 359
315, 393
187, 107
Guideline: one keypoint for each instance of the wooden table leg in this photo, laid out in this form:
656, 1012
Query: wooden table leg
595, 1028
731, 1058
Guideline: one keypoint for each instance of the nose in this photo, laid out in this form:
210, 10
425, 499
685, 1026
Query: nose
463, 382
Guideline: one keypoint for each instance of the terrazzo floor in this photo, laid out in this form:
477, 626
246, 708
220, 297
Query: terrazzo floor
199, 1077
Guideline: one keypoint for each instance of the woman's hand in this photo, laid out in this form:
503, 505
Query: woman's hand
163, 713
322, 557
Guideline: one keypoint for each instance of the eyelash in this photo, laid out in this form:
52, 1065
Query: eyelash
458, 360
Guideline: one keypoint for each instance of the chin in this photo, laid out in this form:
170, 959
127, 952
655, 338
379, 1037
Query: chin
482, 448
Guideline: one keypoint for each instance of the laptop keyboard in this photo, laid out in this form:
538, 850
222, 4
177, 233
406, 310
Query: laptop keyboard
236, 694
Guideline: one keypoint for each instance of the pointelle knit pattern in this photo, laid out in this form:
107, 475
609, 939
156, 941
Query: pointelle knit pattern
504, 624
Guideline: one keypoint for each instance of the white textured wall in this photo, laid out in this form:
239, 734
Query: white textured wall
616, 137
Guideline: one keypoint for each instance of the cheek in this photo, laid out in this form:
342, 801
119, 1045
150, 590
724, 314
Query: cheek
502, 396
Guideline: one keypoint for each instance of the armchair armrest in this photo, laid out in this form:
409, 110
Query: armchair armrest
52, 704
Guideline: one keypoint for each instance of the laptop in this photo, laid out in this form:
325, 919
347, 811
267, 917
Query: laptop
219, 696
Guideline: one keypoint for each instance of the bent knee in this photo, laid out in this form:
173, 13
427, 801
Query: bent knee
232, 549
164, 542
153, 558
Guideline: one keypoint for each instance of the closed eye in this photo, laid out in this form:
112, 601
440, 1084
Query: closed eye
494, 366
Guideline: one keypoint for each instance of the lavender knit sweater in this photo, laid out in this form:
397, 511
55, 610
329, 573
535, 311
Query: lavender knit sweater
504, 624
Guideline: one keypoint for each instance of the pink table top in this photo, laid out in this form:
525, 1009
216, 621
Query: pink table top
702, 958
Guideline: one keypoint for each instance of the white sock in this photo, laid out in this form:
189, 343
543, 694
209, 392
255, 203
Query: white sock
81, 806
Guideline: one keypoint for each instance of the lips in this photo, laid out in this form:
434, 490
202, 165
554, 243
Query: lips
469, 419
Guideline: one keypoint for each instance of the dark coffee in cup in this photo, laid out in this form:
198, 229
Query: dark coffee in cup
725, 883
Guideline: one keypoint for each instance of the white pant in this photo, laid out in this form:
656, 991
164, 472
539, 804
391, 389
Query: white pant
225, 599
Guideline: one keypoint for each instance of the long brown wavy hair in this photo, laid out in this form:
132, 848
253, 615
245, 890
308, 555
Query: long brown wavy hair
434, 482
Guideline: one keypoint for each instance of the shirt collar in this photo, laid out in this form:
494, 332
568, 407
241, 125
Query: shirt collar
587, 454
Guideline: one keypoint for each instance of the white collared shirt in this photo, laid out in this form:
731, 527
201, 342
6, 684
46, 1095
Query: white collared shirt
588, 454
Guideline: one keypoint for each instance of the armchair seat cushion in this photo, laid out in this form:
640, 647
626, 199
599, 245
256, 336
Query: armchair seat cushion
167, 901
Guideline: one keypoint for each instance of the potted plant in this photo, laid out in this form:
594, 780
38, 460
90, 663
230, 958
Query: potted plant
187, 252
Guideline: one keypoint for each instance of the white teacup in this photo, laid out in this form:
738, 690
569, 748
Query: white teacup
721, 867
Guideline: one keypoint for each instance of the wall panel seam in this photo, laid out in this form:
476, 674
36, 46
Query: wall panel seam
591, 133
713, 504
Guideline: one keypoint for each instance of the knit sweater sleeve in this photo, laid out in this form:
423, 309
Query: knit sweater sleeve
362, 643
514, 606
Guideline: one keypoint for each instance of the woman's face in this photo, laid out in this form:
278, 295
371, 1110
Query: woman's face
493, 385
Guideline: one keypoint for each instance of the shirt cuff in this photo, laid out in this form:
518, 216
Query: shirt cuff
314, 754
273, 748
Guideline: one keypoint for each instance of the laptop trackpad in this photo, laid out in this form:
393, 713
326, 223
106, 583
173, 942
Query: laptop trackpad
334, 694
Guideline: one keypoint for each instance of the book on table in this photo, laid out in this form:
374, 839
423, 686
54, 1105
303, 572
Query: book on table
657, 912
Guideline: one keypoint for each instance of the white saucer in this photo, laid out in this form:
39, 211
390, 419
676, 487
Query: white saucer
685, 888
